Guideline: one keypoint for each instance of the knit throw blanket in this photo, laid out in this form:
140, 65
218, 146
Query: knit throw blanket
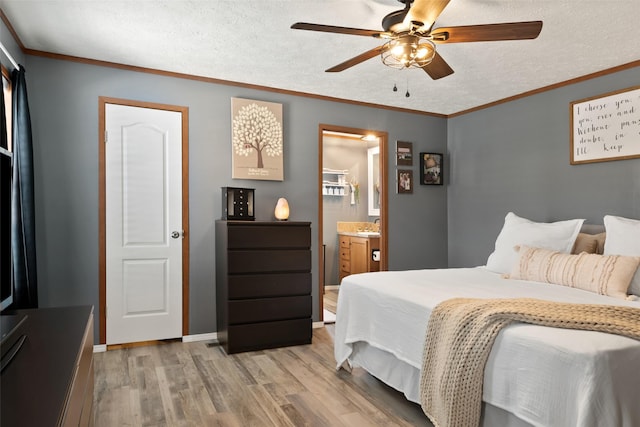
461, 332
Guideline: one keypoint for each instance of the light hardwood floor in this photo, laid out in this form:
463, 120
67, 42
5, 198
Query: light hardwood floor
196, 384
330, 299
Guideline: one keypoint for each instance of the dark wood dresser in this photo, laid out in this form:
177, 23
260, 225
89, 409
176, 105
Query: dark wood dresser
263, 284
50, 380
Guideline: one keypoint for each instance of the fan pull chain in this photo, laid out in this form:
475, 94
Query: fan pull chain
407, 94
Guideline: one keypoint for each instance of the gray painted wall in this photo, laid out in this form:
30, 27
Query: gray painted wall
515, 157
11, 45
63, 97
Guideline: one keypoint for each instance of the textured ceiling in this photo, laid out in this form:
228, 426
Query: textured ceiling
250, 41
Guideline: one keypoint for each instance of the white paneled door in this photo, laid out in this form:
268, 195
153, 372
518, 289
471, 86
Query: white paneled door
143, 192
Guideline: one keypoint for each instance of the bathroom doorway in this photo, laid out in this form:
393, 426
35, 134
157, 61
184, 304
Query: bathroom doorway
352, 188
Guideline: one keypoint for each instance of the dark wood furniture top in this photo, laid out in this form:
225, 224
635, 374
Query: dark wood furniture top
263, 284
50, 380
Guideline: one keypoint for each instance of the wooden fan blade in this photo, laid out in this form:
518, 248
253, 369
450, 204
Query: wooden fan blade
334, 29
489, 32
356, 60
425, 11
438, 68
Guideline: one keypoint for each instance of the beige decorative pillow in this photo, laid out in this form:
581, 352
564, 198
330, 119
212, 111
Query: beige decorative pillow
585, 243
589, 243
601, 274
600, 238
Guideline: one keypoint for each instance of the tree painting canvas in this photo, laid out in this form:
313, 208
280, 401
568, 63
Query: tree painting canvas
257, 143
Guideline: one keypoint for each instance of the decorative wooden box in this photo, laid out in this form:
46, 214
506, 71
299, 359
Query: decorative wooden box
237, 203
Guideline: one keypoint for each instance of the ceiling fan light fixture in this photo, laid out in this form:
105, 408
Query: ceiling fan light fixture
398, 50
408, 52
422, 52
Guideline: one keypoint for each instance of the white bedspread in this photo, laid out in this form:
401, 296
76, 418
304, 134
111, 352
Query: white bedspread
545, 376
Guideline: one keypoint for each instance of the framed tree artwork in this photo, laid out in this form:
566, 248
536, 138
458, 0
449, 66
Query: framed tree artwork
431, 168
256, 140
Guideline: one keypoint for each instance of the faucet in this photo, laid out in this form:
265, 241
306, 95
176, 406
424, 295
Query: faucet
376, 221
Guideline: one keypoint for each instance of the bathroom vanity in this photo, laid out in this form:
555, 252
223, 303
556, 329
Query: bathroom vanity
356, 252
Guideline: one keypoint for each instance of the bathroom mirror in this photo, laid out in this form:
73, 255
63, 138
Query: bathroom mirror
373, 187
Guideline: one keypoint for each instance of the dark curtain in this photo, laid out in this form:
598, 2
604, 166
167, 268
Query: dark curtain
23, 235
5, 206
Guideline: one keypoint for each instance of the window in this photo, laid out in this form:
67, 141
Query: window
6, 89
6, 173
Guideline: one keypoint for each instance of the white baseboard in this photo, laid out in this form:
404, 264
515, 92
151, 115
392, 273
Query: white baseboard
213, 336
332, 287
328, 316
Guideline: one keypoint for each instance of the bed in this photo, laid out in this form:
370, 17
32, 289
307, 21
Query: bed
535, 375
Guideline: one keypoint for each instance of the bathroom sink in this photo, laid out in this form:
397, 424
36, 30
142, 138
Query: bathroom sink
369, 233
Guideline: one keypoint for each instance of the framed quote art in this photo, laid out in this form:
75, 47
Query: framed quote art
606, 127
256, 141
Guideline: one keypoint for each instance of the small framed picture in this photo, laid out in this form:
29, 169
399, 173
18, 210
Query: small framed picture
431, 168
404, 153
405, 181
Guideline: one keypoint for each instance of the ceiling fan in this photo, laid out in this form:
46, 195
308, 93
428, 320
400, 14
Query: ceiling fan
412, 38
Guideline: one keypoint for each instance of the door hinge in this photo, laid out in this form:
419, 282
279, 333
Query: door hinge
106, 136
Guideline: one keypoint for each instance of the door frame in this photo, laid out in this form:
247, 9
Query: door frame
383, 138
102, 205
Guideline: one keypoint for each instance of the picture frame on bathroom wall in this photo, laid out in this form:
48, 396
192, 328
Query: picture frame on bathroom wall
405, 181
404, 153
431, 168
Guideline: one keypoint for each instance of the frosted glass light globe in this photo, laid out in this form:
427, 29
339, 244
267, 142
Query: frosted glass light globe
282, 209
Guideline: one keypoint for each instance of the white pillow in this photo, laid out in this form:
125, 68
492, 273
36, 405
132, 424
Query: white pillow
557, 236
623, 238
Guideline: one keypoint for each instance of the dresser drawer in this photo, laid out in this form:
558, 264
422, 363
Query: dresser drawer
269, 285
344, 241
269, 335
345, 266
268, 236
81, 394
86, 417
269, 309
268, 261
345, 254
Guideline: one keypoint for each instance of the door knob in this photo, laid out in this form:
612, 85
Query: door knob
175, 234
